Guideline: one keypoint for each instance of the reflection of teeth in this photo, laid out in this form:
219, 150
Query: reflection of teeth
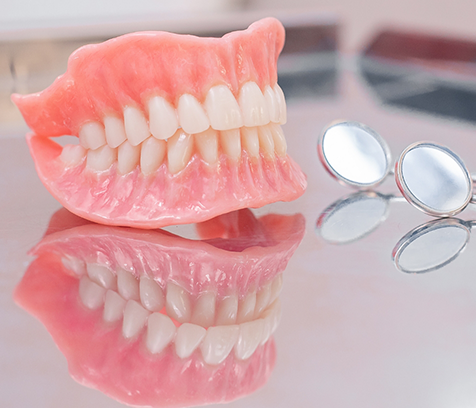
262, 299
253, 105
113, 307
180, 149
72, 155
246, 309
90, 293
278, 139
272, 104
127, 285
227, 311
160, 332
162, 118
101, 159
207, 145
101, 275
115, 132
266, 141
152, 154
231, 143
189, 336
281, 103
191, 115
222, 108
136, 126
204, 310
127, 157
135, 317
74, 265
250, 140
177, 303
218, 343
251, 334
151, 295
92, 136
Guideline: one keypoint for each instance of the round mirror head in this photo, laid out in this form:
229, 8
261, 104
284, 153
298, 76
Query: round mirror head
354, 154
431, 246
352, 218
434, 179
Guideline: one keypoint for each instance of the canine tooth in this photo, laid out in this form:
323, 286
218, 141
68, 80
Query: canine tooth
127, 157
74, 264
218, 343
253, 105
222, 108
71, 155
179, 152
152, 154
102, 158
227, 311
136, 126
262, 299
250, 140
127, 285
160, 332
92, 135
115, 132
163, 120
246, 308
192, 117
251, 334
281, 103
177, 303
90, 293
278, 139
207, 144
135, 317
151, 295
266, 141
204, 310
101, 275
276, 287
272, 103
231, 143
188, 338
113, 307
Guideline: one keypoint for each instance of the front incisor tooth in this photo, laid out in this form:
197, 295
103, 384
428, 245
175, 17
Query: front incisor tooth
135, 317
113, 307
253, 105
135, 123
115, 132
227, 311
160, 332
279, 140
251, 334
192, 117
207, 145
204, 310
101, 275
152, 155
231, 143
246, 308
272, 103
151, 295
92, 135
72, 155
179, 151
90, 293
177, 303
250, 140
127, 157
281, 103
102, 158
223, 110
163, 120
127, 285
218, 343
266, 141
188, 338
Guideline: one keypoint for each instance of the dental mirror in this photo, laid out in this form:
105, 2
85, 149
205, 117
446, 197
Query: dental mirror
433, 179
354, 154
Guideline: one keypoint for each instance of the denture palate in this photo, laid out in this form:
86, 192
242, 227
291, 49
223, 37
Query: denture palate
213, 324
147, 136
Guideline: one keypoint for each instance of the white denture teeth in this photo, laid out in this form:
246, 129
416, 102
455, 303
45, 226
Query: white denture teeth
218, 343
192, 116
253, 105
113, 307
180, 150
163, 122
135, 123
251, 335
92, 135
250, 140
127, 285
151, 295
262, 299
266, 141
272, 104
102, 158
90, 293
177, 303
189, 336
207, 145
227, 311
246, 309
72, 155
231, 143
101, 275
128, 157
223, 109
115, 131
279, 140
152, 155
281, 103
160, 332
204, 310
135, 317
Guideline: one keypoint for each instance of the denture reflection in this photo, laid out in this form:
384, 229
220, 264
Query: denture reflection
151, 318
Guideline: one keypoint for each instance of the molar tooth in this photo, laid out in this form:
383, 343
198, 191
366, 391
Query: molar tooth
278, 139
152, 154
266, 141
231, 143
227, 311
177, 303
207, 144
204, 310
276, 287
191, 115
135, 317
127, 285
113, 307
71, 155
90, 293
127, 157
222, 108
163, 120
151, 295
74, 264
115, 132
253, 105
160, 332
92, 136
281, 103
262, 299
136, 126
272, 103
102, 158
180, 149
251, 334
250, 140
102, 276
246, 309
218, 343
188, 338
